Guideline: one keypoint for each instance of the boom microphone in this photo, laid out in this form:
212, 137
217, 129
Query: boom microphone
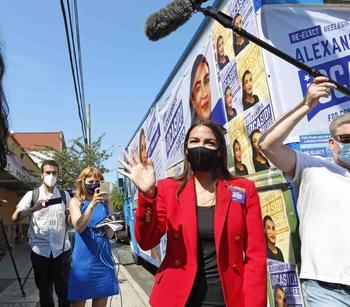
168, 19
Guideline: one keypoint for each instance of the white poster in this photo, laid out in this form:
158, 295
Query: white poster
318, 36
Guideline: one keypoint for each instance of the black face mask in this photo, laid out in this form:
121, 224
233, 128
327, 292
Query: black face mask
91, 187
202, 159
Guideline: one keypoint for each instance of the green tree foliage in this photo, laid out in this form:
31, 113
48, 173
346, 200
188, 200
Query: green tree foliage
73, 159
116, 197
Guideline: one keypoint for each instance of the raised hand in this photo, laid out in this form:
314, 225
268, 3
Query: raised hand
141, 175
320, 87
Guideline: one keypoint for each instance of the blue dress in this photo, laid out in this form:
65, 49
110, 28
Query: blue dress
92, 273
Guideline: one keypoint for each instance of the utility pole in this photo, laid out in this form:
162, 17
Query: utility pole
88, 123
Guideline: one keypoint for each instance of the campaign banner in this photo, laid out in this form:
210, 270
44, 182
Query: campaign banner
316, 144
285, 284
318, 36
175, 119
152, 144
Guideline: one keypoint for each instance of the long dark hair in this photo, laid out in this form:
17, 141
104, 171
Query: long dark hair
234, 34
221, 171
235, 142
244, 95
251, 142
217, 47
4, 111
200, 59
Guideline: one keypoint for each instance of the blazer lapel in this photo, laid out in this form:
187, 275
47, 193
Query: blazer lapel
188, 203
223, 199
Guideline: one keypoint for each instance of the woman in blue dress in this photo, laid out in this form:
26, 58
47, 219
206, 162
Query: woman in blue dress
92, 273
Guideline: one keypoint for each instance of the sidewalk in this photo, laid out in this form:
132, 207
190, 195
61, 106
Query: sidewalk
10, 293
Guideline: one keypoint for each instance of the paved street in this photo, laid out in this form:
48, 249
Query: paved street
135, 281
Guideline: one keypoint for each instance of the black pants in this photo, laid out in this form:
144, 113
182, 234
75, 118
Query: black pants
52, 271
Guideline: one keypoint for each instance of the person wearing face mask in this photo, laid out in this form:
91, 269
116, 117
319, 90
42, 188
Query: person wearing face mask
51, 249
216, 254
92, 275
323, 201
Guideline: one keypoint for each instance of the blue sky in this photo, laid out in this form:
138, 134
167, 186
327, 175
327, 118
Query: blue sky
123, 70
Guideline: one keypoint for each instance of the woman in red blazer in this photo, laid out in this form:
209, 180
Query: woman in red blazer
216, 253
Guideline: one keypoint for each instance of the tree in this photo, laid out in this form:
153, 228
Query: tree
117, 198
73, 159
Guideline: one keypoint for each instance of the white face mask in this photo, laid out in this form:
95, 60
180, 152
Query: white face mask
50, 180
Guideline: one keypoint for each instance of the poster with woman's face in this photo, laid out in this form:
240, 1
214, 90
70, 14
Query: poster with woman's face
204, 97
231, 90
243, 15
240, 147
222, 43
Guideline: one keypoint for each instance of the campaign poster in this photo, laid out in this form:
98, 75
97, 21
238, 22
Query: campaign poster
204, 95
317, 36
222, 43
243, 15
134, 149
231, 90
240, 147
276, 226
286, 288
175, 119
252, 76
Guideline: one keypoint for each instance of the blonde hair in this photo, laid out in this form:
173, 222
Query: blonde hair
81, 192
337, 122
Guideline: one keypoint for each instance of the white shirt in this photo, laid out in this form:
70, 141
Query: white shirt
47, 226
324, 211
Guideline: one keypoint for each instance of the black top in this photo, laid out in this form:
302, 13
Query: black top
247, 105
207, 289
261, 166
238, 48
242, 172
229, 117
273, 256
222, 65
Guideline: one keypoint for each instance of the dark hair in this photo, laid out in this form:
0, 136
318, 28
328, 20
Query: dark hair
221, 171
48, 162
251, 142
200, 59
244, 95
267, 218
234, 33
217, 45
233, 147
142, 133
275, 288
4, 111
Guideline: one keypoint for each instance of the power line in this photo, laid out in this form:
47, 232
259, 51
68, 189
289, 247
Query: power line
76, 82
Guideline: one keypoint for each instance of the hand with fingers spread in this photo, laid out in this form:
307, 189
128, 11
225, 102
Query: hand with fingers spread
141, 175
320, 87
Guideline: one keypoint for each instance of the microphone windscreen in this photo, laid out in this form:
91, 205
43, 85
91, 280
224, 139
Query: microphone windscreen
168, 19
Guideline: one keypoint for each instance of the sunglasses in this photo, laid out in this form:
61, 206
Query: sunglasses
343, 138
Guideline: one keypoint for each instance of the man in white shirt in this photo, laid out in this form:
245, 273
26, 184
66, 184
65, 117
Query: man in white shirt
51, 249
323, 201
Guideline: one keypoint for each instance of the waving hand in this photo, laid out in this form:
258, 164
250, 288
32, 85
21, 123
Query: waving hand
141, 175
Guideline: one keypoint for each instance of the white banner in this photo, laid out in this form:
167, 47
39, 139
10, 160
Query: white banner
318, 36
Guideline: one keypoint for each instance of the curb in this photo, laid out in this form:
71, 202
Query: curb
138, 290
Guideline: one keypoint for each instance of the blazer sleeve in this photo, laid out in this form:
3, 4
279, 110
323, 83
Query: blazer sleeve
148, 233
255, 273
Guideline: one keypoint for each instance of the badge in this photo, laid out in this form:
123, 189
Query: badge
238, 194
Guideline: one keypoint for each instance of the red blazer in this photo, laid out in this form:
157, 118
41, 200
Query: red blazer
239, 240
